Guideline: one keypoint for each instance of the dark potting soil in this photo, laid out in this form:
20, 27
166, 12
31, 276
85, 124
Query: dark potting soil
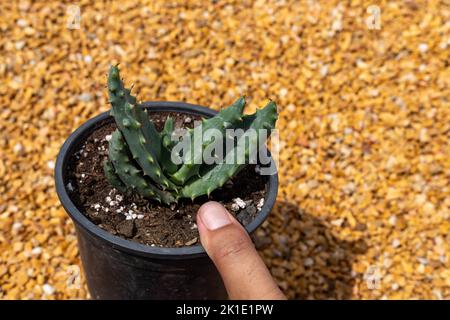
146, 221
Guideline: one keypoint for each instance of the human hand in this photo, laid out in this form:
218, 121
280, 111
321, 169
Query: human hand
228, 245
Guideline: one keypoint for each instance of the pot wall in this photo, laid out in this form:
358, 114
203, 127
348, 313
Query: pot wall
114, 274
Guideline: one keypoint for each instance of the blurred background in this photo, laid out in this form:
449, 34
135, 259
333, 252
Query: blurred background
363, 210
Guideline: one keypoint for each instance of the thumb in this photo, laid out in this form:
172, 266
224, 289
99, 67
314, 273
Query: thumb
228, 245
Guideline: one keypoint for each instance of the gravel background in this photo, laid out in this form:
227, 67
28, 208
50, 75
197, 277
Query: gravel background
363, 206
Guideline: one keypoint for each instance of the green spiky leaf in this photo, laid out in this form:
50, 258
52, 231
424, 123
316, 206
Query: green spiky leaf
140, 157
223, 120
217, 175
129, 174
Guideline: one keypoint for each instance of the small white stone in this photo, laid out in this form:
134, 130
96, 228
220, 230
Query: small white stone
423, 47
188, 120
361, 64
36, 251
108, 137
324, 70
87, 59
290, 107
392, 220
128, 218
391, 162
194, 226
387, 262
85, 97
48, 289
444, 44
108, 199
118, 49
439, 241
349, 188
119, 198
336, 25
140, 216
337, 222
16, 226
18, 148
395, 243
374, 93
22, 23
438, 294
423, 135
348, 131
83, 175
229, 61
130, 212
283, 92
19, 45
395, 286
152, 54
96, 206
422, 261
51, 164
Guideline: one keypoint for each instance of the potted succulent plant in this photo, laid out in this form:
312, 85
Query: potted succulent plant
132, 181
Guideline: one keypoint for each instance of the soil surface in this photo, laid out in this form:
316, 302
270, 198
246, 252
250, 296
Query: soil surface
135, 218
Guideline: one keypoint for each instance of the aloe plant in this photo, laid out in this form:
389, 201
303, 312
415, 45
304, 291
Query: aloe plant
140, 158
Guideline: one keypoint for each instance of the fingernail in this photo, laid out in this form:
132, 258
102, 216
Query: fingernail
214, 216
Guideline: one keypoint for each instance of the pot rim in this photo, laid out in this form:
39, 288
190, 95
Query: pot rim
80, 220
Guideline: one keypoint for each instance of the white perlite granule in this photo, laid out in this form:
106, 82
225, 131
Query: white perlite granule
70, 187
260, 204
241, 203
130, 215
234, 207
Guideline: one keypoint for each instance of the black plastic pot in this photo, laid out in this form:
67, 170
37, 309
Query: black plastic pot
116, 268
